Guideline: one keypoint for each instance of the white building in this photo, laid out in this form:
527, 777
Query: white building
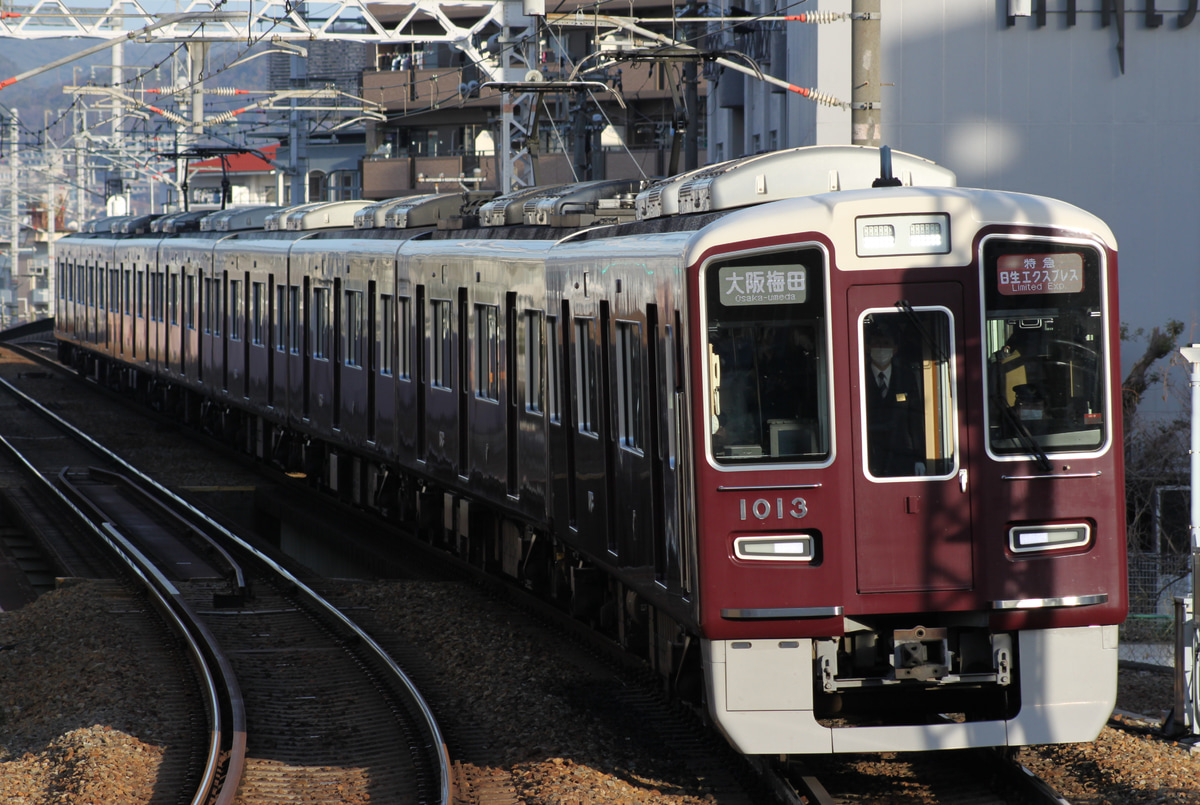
1096, 107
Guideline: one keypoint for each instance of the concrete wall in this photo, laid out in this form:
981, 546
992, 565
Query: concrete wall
1047, 110
1037, 109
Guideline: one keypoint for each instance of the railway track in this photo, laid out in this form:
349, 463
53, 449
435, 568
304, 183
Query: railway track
833, 781
953, 777
298, 699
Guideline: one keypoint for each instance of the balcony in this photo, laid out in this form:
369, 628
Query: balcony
420, 91
398, 176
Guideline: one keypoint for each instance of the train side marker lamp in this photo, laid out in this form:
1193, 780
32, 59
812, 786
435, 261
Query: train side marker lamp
784, 547
1027, 538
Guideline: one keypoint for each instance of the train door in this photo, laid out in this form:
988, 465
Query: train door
140, 317
114, 310
668, 421
632, 450
127, 334
174, 335
90, 302
258, 348
227, 323
912, 510
512, 397
279, 339
189, 329
419, 337
175, 307
462, 433
101, 307
561, 486
339, 349
587, 455
373, 336
106, 310
273, 331
156, 318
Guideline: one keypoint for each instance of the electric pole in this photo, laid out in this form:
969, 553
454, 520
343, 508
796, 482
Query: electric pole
865, 69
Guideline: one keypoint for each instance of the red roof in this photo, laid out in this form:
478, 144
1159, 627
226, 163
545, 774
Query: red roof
238, 163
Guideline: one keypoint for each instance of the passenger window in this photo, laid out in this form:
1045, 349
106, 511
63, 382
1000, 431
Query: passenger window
354, 328
767, 359
320, 323
629, 384
235, 310
534, 348
404, 338
442, 347
387, 338
487, 352
189, 313
553, 391
1044, 333
294, 319
258, 317
280, 318
908, 392
587, 404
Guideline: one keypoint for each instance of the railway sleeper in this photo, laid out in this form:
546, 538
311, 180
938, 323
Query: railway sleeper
473, 531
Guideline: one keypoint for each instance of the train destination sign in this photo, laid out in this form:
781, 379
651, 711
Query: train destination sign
1021, 274
763, 285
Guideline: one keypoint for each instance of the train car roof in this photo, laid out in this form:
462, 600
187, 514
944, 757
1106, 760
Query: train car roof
842, 211
179, 222
235, 218
329, 214
375, 215
777, 175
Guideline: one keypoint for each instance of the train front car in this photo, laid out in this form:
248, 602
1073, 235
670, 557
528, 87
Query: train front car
910, 518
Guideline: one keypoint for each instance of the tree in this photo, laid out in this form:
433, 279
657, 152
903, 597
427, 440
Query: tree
1155, 452
1142, 374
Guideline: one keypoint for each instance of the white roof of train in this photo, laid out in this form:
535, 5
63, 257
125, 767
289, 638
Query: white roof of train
784, 174
838, 213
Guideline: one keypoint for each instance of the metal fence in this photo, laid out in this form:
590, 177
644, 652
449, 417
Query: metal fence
1155, 581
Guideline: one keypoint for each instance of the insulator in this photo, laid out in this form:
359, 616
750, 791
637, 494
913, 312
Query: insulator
818, 17
171, 116
820, 97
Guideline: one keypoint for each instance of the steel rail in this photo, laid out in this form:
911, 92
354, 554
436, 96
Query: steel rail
237, 575
162, 597
438, 749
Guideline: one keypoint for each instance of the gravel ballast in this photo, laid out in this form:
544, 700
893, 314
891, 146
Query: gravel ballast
78, 722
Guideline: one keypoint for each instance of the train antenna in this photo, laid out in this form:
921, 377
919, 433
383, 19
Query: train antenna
886, 179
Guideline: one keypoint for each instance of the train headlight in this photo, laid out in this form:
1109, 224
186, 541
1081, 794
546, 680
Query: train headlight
777, 547
1029, 538
884, 235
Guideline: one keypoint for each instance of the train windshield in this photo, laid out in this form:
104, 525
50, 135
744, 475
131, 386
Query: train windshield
1044, 338
767, 357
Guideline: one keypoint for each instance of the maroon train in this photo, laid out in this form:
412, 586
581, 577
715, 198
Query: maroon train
837, 448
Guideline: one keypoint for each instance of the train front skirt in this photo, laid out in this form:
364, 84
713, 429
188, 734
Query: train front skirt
761, 695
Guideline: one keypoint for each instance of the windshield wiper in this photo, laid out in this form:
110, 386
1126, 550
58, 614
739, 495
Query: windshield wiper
1043, 461
908, 311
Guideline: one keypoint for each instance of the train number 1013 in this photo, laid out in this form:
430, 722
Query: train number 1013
763, 509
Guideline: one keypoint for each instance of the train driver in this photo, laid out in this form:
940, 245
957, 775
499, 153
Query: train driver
894, 409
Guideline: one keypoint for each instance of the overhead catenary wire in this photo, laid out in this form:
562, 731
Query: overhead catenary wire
441, 98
